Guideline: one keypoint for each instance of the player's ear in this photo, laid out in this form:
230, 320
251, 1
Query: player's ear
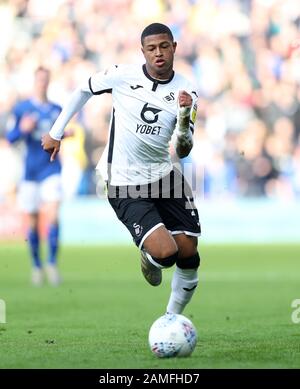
174, 46
143, 51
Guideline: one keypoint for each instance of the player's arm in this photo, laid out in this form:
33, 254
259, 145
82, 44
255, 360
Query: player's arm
14, 134
184, 135
20, 125
99, 83
51, 142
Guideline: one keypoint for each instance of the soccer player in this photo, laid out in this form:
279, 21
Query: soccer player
151, 198
41, 185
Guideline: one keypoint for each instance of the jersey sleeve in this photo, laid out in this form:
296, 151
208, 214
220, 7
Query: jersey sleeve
104, 82
13, 125
101, 82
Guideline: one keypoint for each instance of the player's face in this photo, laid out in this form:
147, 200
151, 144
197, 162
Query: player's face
159, 52
41, 81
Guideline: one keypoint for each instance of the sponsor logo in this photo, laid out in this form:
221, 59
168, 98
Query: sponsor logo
134, 87
146, 129
190, 289
150, 114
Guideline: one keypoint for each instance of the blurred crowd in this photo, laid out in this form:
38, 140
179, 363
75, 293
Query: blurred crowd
238, 52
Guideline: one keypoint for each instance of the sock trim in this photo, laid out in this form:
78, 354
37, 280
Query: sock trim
192, 262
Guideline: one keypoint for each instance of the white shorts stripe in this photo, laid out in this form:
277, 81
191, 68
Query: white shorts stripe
149, 233
186, 233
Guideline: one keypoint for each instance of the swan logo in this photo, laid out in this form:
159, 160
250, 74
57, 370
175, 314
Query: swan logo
137, 229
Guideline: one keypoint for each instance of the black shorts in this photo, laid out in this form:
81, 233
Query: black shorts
144, 208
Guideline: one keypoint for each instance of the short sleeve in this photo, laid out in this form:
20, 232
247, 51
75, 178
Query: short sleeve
104, 82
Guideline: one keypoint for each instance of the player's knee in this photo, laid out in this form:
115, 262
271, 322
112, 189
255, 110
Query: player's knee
163, 251
167, 261
187, 245
192, 262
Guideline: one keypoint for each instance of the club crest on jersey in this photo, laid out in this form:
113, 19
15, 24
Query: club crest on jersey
170, 98
137, 229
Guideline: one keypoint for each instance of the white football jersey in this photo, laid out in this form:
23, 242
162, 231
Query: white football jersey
142, 123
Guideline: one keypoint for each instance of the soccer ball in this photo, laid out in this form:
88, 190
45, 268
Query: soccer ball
172, 335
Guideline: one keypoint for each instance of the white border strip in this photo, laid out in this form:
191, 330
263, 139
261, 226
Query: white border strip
150, 259
186, 233
149, 233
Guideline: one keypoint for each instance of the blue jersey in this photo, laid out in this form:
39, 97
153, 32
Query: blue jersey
37, 161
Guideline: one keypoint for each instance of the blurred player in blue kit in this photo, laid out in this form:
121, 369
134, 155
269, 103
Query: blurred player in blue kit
41, 183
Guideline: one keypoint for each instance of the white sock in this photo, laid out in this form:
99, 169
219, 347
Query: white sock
182, 278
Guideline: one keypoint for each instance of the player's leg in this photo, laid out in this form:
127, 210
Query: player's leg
159, 251
185, 276
181, 218
33, 237
51, 195
160, 244
158, 247
51, 209
28, 201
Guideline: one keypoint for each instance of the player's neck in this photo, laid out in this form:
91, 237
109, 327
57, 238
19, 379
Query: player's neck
160, 77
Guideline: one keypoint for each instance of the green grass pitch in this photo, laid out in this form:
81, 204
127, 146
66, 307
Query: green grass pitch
100, 316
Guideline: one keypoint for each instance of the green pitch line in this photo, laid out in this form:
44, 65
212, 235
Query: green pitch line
100, 316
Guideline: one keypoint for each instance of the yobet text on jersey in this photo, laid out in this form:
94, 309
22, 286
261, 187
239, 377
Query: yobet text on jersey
147, 129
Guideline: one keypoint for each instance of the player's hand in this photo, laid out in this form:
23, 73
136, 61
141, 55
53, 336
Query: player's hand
27, 124
185, 102
50, 145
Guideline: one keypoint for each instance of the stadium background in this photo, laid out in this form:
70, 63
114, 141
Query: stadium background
247, 140
237, 52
